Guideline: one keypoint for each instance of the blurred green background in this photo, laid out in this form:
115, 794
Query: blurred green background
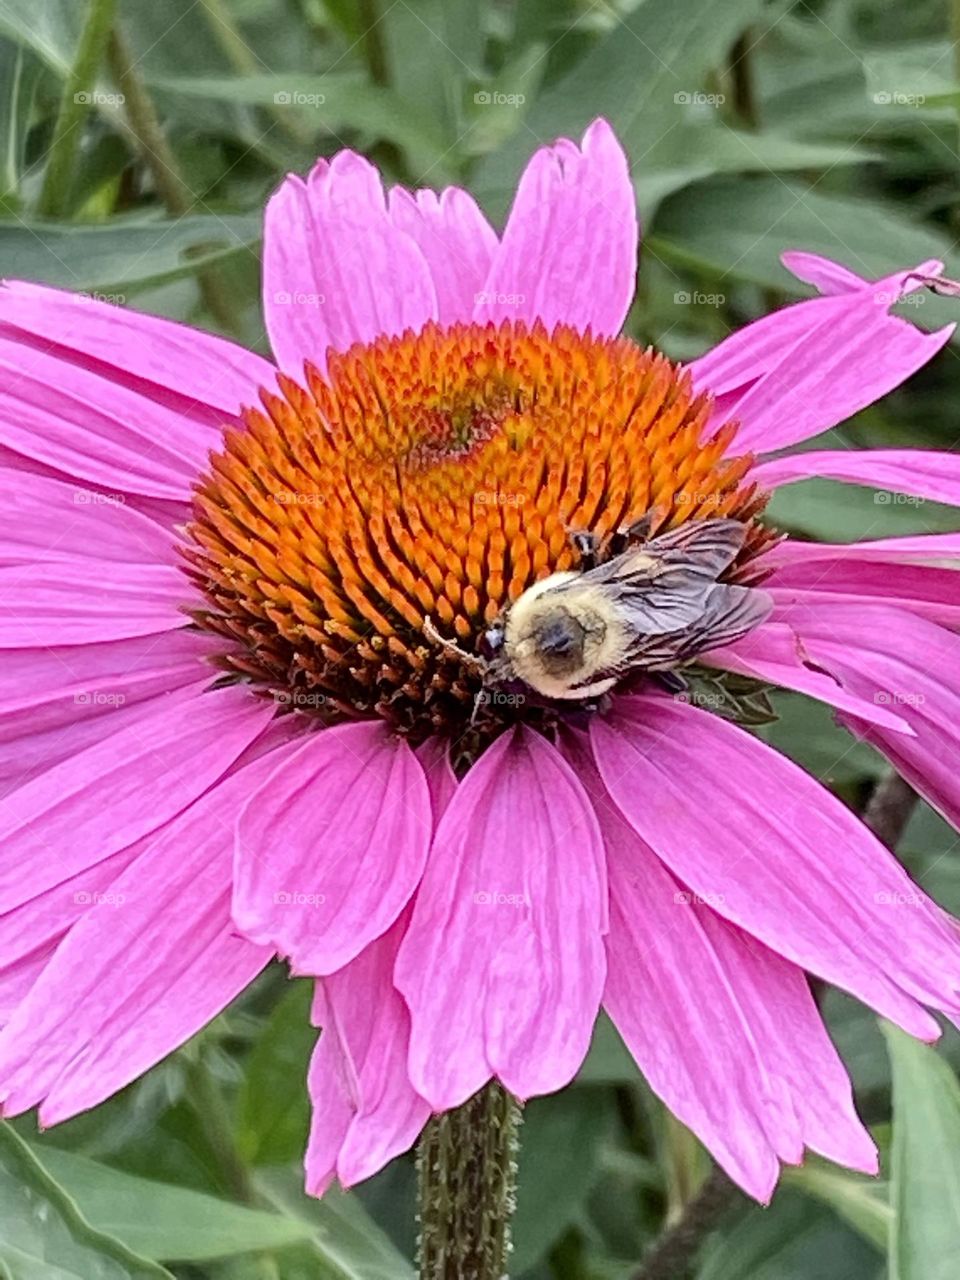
752, 127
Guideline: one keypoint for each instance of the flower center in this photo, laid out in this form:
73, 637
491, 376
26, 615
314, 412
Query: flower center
438, 476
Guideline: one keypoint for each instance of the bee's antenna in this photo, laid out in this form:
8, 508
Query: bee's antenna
451, 646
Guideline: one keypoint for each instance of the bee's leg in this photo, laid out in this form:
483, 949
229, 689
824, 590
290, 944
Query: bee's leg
639, 531
587, 545
451, 646
672, 681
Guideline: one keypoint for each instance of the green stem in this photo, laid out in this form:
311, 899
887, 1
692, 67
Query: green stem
673, 1253
158, 156
245, 62
216, 1125
466, 1165
80, 84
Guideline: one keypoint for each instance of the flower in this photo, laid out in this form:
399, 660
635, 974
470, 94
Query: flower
469, 873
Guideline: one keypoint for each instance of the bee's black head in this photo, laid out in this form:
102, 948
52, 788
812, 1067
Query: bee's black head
560, 640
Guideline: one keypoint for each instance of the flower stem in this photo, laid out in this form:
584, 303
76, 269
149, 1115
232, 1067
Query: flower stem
673, 1253
466, 1165
888, 810
74, 104
158, 156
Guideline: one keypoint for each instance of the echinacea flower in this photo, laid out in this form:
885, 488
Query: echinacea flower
468, 880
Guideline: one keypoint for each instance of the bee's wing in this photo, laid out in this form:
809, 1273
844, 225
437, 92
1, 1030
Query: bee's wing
663, 583
725, 614
706, 547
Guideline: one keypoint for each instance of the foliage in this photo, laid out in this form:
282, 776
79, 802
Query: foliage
753, 126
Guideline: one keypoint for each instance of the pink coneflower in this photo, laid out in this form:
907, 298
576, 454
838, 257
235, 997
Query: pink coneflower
468, 879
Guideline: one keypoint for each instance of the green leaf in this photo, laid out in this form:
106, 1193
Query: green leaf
332, 102
432, 49
561, 1140
273, 1107
911, 78
609, 1060
691, 153
166, 1222
752, 222
925, 1163
43, 1233
829, 511
348, 1245
795, 1239
124, 254
19, 73
640, 76
860, 1201
51, 29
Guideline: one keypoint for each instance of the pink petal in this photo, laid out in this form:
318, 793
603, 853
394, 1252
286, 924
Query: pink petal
149, 965
774, 653
366, 1032
903, 662
724, 1030
779, 855
793, 374
924, 473
49, 521
930, 593
924, 547
184, 368
569, 250
45, 918
85, 425
91, 601
502, 966
17, 979
111, 794
331, 845
434, 756
833, 372
48, 688
456, 240
336, 268
831, 277
23, 759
